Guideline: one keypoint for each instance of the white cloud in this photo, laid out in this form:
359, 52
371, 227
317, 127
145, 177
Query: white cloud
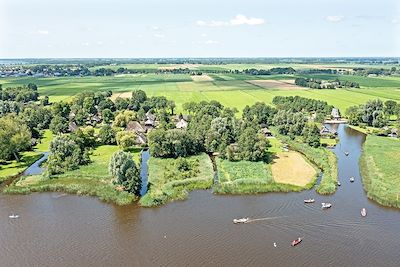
236, 21
44, 32
86, 44
159, 35
211, 42
335, 18
395, 21
203, 35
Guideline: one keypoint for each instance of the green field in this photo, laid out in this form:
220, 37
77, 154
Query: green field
92, 179
232, 90
380, 170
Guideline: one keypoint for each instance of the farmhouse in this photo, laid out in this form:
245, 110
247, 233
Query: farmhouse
135, 126
393, 133
325, 131
72, 127
266, 132
335, 114
182, 124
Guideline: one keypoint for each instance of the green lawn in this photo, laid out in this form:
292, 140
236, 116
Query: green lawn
13, 168
163, 189
380, 170
92, 179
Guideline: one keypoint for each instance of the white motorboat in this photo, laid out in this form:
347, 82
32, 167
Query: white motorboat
326, 205
242, 220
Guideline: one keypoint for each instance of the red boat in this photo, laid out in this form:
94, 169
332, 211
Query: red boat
296, 242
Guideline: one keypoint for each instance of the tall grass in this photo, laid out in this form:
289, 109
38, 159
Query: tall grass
162, 189
379, 165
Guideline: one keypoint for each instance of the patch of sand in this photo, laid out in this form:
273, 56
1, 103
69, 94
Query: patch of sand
201, 78
292, 168
122, 95
277, 84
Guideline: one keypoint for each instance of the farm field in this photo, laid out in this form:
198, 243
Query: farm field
232, 90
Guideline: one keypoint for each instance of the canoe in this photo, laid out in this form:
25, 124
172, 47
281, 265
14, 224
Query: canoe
363, 212
296, 242
310, 200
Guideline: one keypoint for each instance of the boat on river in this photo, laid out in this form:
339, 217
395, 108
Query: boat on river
338, 183
242, 220
13, 216
363, 212
326, 205
346, 153
351, 179
310, 200
296, 241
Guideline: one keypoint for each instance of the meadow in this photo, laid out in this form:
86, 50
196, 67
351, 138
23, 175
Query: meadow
380, 170
232, 90
92, 179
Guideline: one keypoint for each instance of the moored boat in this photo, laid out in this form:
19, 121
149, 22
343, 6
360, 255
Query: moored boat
351, 179
338, 183
363, 212
310, 200
296, 241
326, 205
242, 220
13, 216
346, 153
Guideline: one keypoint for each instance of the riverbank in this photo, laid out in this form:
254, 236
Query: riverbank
379, 165
92, 179
172, 179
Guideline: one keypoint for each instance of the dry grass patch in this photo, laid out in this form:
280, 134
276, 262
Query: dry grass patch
122, 95
276, 84
201, 78
292, 168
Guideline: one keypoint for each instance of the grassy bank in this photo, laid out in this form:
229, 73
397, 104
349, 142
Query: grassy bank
166, 181
245, 177
13, 168
92, 179
323, 159
380, 170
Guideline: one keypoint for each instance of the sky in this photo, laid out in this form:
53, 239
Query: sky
202, 28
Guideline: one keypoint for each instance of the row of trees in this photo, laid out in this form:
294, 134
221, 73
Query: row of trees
320, 84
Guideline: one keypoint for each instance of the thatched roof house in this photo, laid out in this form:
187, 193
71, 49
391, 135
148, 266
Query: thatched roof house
326, 131
150, 116
135, 127
393, 133
335, 114
72, 127
266, 132
182, 124
141, 139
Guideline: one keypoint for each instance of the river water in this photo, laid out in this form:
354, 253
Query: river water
56, 229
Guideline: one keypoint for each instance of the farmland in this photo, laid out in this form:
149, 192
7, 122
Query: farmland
232, 90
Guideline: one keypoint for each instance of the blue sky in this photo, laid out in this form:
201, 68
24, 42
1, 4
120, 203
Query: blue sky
202, 28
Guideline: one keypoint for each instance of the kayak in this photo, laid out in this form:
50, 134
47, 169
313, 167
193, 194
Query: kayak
296, 242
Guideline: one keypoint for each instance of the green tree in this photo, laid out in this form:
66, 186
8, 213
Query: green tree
126, 139
311, 135
107, 135
252, 146
14, 137
107, 115
125, 172
390, 107
59, 125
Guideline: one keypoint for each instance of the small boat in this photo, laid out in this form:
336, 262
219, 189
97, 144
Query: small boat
242, 220
13, 216
339, 184
363, 212
346, 153
310, 200
274, 244
351, 179
296, 241
326, 205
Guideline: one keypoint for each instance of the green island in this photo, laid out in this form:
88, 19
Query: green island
234, 128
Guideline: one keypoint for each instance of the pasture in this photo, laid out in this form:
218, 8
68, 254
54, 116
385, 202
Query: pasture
232, 90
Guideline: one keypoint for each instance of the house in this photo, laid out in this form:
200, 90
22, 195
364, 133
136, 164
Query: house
150, 116
266, 132
136, 127
141, 139
393, 133
326, 131
182, 124
72, 127
335, 114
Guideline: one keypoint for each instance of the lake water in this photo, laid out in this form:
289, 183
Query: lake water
55, 229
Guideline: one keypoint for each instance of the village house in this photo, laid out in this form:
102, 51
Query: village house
266, 132
136, 127
393, 133
335, 114
72, 127
182, 124
325, 131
